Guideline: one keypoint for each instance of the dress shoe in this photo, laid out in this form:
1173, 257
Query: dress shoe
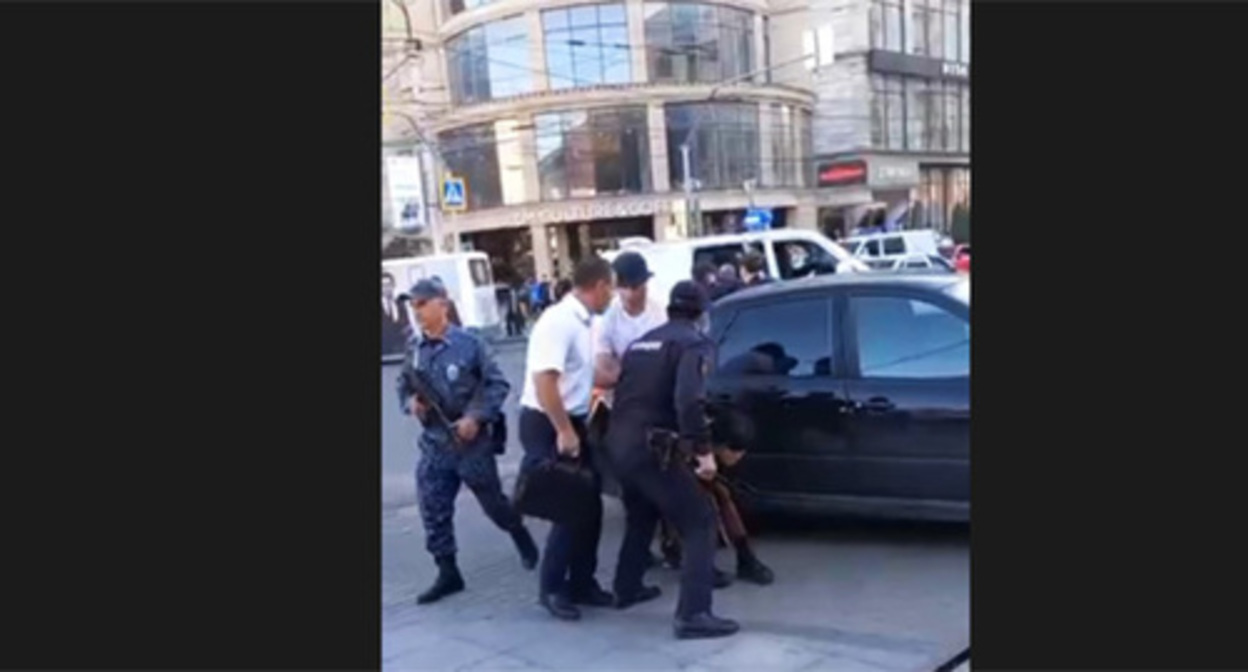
594, 597
559, 607
721, 579
449, 582
703, 626
754, 571
526, 547
646, 594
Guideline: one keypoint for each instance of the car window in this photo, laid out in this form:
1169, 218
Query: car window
719, 255
778, 339
894, 245
916, 263
797, 258
852, 246
480, 272
872, 248
907, 338
940, 262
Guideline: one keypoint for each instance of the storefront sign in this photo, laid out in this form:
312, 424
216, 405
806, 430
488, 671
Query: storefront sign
588, 211
842, 173
889, 173
407, 198
876, 172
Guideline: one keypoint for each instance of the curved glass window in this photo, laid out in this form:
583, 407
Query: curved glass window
490, 158
723, 143
689, 42
490, 61
583, 153
587, 45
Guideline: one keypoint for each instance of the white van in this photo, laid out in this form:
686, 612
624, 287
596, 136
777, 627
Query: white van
468, 281
673, 261
884, 250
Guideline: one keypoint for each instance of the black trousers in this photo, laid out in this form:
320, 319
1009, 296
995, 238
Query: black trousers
570, 559
651, 492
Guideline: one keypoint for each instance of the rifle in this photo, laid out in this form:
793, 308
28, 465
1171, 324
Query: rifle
424, 390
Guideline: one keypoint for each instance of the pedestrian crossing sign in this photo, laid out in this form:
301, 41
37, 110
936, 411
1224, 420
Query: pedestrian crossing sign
454, 194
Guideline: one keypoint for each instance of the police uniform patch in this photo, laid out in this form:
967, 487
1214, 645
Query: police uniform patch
452, 373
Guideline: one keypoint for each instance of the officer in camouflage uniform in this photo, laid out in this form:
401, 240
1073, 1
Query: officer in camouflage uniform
470, 388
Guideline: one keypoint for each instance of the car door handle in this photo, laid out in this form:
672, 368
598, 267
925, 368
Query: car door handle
877, 405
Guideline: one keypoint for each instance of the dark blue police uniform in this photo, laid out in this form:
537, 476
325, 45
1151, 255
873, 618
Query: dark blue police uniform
468, 383
662, 387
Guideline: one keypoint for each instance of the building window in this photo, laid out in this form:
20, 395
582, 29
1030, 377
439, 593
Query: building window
689, 43
947, 136
723, 141
471, 152
887, 113
964, 35
966, 118
587, 45
952, 11
886, 25
928, 28
490, 61
585, 153
766, 50
806, 163
923, 114
790, 144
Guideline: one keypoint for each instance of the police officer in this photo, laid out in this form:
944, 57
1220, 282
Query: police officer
468, 386
661, 391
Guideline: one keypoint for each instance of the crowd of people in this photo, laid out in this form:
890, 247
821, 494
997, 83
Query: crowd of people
615, 383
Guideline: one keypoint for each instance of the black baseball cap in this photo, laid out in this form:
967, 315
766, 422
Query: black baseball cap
425, 290
631, 270
688, 295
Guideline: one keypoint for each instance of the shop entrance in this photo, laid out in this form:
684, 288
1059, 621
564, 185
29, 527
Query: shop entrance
570, 243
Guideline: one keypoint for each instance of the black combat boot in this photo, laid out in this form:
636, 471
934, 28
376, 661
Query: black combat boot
526, 547
750, 568
448, 582
703, 626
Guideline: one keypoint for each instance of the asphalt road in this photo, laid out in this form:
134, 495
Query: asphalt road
848, 596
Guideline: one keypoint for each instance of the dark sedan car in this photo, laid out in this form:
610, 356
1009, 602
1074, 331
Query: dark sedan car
851, 393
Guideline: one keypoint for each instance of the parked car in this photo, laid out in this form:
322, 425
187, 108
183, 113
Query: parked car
924, 262
882, 250
674, 260
850, 392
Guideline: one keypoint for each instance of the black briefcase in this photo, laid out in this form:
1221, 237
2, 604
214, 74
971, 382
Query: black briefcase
561, 491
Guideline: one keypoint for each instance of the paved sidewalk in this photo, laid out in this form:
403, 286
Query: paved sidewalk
848, 600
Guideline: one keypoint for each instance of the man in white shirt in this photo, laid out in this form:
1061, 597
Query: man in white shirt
558, 385
626, 320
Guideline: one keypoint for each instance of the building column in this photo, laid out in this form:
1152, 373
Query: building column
537, 50
541, 251
636, 14
805, 216
769, 117
564, 251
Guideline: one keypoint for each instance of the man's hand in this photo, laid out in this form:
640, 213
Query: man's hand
466, 428
568, 443
706, 467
